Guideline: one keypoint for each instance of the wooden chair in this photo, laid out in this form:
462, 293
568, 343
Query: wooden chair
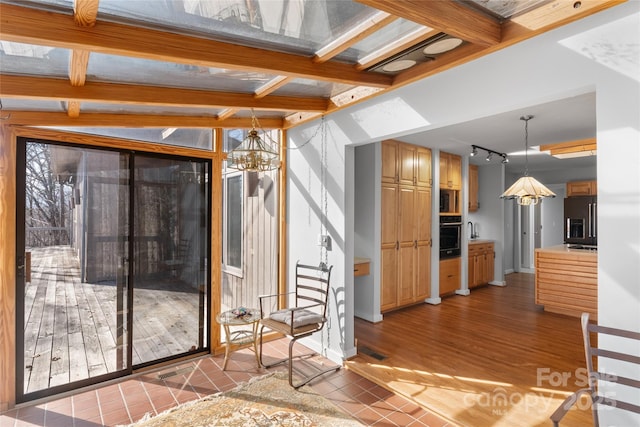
596, 376
306, 315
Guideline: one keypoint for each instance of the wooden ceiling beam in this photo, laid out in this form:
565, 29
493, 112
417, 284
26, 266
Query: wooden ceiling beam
271, 86
551, 15
26, 25
85, 12
569, 147
450, 17
12, 86
37, 118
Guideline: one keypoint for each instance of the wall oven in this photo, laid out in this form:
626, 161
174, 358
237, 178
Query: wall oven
450, 234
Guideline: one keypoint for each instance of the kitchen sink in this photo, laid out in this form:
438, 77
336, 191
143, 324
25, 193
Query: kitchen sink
585, 247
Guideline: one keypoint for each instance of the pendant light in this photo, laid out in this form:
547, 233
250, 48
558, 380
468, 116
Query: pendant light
527, 190
254, 154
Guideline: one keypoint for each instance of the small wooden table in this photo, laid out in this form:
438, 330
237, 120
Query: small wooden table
242, 336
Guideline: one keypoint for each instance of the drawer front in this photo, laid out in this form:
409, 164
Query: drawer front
361, 269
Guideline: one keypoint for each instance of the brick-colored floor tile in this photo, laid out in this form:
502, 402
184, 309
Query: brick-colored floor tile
357, 396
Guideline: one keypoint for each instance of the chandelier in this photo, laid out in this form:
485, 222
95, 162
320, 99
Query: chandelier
254, 154
527, 190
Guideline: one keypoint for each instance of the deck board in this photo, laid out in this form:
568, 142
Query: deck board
70, 327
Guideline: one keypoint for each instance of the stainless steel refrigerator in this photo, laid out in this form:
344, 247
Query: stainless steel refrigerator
581, 220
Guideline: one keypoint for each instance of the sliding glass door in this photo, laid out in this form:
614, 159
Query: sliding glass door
112, 265
170, 253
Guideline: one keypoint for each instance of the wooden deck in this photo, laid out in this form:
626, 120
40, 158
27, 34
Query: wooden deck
70, 327
493, 358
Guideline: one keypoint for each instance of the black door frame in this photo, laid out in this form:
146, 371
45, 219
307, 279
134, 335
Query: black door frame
21, 144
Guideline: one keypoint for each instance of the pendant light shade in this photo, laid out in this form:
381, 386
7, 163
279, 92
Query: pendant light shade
527, 190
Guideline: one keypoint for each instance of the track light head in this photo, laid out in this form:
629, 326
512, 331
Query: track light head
474, 150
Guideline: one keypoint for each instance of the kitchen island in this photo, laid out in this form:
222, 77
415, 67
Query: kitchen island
567, 280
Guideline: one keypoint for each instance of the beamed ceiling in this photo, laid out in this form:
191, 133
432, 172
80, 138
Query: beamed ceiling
209, 63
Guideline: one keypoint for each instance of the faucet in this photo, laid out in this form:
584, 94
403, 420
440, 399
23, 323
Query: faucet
474, 233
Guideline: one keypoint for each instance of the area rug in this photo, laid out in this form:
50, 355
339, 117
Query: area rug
266, 401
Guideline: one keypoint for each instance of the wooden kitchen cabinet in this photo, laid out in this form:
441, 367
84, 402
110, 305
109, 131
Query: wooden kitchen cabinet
481, 263
582, 188
424, 177
406, 164
450, 171
390, 161
473, 188
566, 280
405, 231
449, 275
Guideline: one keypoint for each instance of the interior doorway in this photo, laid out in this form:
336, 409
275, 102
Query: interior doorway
113, 263
530, 236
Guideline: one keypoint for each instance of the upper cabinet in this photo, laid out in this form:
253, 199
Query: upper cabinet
390, 162
423, 167
406, 164
473, 188
450, 171
582, 188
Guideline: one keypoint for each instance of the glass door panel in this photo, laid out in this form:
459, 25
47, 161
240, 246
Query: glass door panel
73, 216
170, 252
112, 263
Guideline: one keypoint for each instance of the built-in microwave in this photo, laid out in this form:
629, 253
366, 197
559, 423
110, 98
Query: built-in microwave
445, 201
450, 235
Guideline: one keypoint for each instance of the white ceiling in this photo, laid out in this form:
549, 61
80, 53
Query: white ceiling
558, 121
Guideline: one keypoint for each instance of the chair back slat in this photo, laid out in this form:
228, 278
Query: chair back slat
614, 331
617, 379
625, 357
312, 287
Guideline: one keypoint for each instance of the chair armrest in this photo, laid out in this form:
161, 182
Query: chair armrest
566, 405
261, 298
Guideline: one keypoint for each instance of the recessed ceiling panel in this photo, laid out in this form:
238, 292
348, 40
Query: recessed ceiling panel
122, 69
46, 4
314, 88
259, 113
94, 107
289, 26
9, 104
34, 60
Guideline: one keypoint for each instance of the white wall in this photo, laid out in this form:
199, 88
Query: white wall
367, 230
565, 62
305, 213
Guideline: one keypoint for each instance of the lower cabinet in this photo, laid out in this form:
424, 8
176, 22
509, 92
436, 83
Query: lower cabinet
481, 261
449, 275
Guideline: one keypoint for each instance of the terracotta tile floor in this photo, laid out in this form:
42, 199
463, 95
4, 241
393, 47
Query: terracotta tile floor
128, 400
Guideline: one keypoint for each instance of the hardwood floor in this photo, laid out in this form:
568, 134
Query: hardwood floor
493, 358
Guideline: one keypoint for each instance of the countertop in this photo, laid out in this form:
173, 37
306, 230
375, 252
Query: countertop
566, 250
360, 260
478, 241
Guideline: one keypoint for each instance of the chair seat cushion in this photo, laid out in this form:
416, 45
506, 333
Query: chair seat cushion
300, 317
